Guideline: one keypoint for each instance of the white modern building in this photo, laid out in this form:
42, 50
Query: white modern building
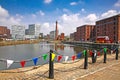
18, 31
34, 29
52, 35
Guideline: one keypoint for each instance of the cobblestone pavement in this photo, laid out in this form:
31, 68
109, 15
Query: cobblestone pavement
68, 71
107, 73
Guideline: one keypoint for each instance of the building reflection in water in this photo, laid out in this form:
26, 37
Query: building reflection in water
59, 46
78, 49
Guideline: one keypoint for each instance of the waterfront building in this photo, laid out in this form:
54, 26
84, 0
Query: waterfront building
34, 29
72, 36
62, 36
29, 37
41, 35
52, 35
109, 27
18, 31
4, 32
26, 31
85, 33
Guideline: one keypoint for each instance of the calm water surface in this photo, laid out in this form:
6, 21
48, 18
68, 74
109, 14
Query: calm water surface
29, 51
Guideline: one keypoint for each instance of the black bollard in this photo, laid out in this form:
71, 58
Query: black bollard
117, 52
105, 56
85, 60
93, 58
51, 66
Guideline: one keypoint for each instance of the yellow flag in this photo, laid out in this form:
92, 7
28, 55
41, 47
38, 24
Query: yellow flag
53, 56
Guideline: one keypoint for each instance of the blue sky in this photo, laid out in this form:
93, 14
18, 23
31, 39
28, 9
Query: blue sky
69, 13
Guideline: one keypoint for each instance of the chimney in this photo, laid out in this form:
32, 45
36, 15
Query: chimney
56, 31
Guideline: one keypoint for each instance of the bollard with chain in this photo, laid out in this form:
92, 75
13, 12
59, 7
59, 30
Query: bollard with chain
117, 52
94, 56
85, 59
51, 66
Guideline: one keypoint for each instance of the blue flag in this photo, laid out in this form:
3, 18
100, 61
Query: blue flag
79, 55
35, 60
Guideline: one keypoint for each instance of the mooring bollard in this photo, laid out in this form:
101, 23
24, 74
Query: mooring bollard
94, 56
51, 66
105, 54
117, 52
85, 59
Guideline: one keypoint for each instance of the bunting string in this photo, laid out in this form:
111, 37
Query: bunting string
55, 54
33, 68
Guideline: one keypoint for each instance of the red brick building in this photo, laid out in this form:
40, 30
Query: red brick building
72, 36
62, 36
109, 27
4, 32
85, 33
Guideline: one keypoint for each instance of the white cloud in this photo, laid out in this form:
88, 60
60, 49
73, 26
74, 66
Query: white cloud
65, 10
47, 1
6, 19
41, 13
68, 23
3, 12
109, 13
73, 3
33, 16
117, 4
83, 10
47, 27
91, 18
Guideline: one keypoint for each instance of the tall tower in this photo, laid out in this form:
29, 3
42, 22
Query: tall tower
56, 31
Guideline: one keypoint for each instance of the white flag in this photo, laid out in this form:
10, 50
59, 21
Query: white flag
66, 58
111, 51
95, 54
9, 63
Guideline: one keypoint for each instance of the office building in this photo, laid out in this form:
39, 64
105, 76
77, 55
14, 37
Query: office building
34, 29
18, 31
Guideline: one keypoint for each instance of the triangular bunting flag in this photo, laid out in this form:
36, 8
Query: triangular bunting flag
105, 49
66, 58
35, 60
111, 51
91, 53
9, 63
84, 52
95, 54
73, 57
45, 56
22, 63
53, 56
79, 55
59, 58
98, 54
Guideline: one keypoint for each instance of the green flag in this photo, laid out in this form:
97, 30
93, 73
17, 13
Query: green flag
84, 52
105, 49
45, 56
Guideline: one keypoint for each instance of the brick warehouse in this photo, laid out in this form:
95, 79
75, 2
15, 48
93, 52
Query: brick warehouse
109, 27
4, 32
85, 33
106, 27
